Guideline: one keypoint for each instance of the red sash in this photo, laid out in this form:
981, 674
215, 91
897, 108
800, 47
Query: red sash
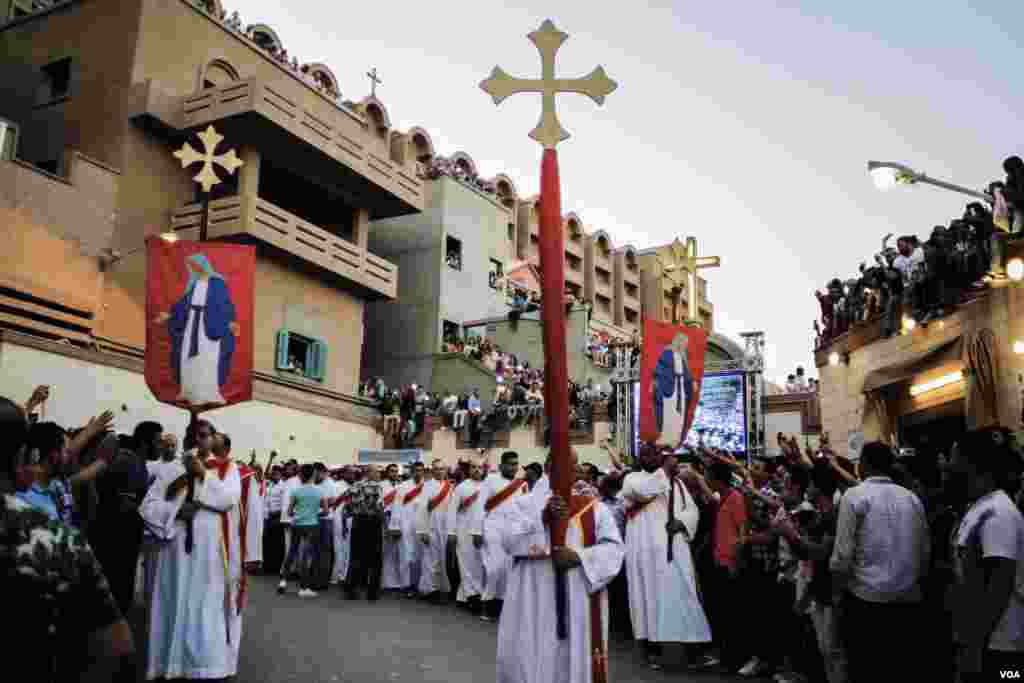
221, 466
390, 497
501, 496
411, 496
446, 488
468, 502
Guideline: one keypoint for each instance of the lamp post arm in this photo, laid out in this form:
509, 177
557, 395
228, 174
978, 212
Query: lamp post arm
922, 178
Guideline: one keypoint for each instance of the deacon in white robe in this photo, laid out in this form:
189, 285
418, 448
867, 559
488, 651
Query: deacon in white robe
391, 570
497, 491
529, 650
193, 617
463, 520
410, 497
432, 527
663, 600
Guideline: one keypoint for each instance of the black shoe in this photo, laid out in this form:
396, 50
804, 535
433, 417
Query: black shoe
373, 597
351, 594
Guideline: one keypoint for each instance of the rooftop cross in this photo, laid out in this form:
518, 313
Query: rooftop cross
374, 81
549, 132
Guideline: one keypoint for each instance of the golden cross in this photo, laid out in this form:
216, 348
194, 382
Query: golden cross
374, 81
687, 259
549, 132
207, 176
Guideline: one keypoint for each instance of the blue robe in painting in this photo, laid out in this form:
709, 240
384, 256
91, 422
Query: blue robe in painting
668, 385
217, 316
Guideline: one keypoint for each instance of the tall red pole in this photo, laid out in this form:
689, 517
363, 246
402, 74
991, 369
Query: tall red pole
556, 374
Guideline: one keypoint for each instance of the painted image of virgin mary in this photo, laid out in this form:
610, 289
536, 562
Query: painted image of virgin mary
203, 329
675, 389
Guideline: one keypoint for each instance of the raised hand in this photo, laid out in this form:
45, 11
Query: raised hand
37, 398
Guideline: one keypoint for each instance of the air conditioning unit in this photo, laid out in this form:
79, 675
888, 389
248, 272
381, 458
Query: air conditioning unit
8, 140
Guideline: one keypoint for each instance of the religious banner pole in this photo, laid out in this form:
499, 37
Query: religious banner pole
549, 133
206, 178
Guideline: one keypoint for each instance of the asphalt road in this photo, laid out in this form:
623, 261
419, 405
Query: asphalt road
332, 640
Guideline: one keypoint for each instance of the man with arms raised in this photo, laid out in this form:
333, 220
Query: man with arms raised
529, 650
495, 492
663, 600
463, 518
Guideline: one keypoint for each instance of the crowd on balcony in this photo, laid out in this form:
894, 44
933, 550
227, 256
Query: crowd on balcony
602, 347
919, 281
441, 166
233, 21
799, 383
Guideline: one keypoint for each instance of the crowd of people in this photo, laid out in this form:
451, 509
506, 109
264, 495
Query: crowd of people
799, 383
924, 280
808, 566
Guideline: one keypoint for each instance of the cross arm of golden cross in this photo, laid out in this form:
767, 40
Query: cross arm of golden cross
693, 264
548, 39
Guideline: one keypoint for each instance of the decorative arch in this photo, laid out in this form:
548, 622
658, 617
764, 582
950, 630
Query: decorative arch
264, 36
601, 236
465, 163
505, 189
420, 144
573, 225
323, 73
729, 350
376, 116
629, 256
217, 72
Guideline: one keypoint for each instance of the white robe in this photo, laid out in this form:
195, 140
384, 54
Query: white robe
191, 625
663, 599
529, 650
491, 525
434, 565
342, 535
462, 524
410, 548
199, 374
392, 576
253, 529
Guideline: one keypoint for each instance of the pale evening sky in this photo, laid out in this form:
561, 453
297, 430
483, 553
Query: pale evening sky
747, 125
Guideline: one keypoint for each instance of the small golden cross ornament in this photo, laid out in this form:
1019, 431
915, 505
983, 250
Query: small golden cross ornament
549, 132
207, 176
687, 259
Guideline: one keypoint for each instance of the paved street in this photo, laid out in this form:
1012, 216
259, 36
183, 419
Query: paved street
332, 640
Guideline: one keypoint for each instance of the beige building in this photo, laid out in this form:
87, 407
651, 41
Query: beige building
923, 388
94, 97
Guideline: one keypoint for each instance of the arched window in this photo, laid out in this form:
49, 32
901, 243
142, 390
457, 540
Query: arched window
218, 73
265, 37
603, 246
422, 149
378, 122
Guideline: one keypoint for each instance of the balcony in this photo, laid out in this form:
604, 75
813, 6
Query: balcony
602, 286
602, 262
631, 301
631, 275
574, 247
573, 276
280, 116
257, 219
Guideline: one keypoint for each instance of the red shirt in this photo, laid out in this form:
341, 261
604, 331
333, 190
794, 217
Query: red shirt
732, 518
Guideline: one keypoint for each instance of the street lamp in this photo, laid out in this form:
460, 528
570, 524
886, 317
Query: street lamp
888, 174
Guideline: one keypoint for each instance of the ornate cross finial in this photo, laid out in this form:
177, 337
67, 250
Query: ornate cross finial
374, 81
207, 176
549, 132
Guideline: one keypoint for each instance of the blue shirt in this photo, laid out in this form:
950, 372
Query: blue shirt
42, 500
307, 505
473, 403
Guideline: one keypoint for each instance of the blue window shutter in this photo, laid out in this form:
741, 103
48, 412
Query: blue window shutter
282, 350
321, 359
311, 360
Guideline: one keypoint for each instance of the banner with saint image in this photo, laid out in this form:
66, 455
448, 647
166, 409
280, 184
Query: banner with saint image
199, 322
671, 371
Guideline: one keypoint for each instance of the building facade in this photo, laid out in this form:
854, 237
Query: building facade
664, 286
100, 93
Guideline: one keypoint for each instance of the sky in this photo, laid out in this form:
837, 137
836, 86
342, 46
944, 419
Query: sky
746, 125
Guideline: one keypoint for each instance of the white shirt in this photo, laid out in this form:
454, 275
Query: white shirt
882, 542
275, 497
287, 486
994, 527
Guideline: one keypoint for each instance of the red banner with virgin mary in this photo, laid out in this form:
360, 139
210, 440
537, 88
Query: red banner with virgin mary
671, 371
199, 323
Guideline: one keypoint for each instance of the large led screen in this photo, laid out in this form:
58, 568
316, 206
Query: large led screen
720, 419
